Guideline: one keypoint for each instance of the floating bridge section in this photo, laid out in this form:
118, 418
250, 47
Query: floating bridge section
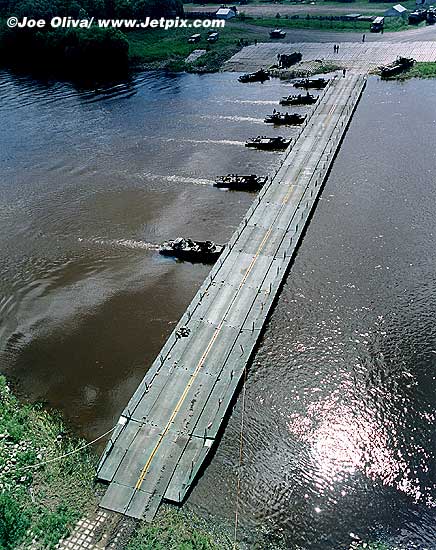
172, 421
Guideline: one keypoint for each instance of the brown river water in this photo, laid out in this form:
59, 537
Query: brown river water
339, 417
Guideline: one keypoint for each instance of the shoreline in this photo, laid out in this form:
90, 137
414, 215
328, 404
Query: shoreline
160, 49
47, 484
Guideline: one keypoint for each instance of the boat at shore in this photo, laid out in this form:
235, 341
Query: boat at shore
241, 183
285, 119
300, 99
269, 143
259, 76
191, 251
311, 83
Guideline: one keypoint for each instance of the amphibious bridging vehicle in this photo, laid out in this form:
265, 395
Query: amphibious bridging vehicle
269, 143
300, 99
241, 183
258, 76
311, 83
287, 60
191, 251
398, 66
285, 118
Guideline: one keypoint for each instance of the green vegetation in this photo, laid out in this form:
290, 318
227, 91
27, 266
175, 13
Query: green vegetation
45, 9
392, 24
371, 546
175, 529
161, 48
99, 53
362, 6
70, 52
44, 502
86, 52
419, 70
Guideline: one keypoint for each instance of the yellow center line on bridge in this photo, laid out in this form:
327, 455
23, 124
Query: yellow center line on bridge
206, 353
217, 331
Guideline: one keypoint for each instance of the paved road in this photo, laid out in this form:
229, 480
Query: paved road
270, 10
359, 57
421, 34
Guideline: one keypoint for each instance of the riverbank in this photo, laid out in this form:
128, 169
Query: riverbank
163, 49
154, 48
178, 529
169, 50
41, 504
138, 49
419, 70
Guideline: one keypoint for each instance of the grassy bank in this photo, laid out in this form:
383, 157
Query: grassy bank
419, 70
160, 48
39, 503
176, 529
371, 546
43, 503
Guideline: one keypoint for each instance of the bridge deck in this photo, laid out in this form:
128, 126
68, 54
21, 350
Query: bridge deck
359, 57
172, 421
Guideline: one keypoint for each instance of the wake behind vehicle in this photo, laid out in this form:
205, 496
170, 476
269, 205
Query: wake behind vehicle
268, 143
241, 183
191, 251
311, 83
398, 66
300, 99
258, 76
285, 118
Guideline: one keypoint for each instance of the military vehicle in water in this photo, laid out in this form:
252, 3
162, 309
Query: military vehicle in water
300, 99
398, 66
192, 251
285, 118
311, 83
258, 76
269, 143
241, 183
